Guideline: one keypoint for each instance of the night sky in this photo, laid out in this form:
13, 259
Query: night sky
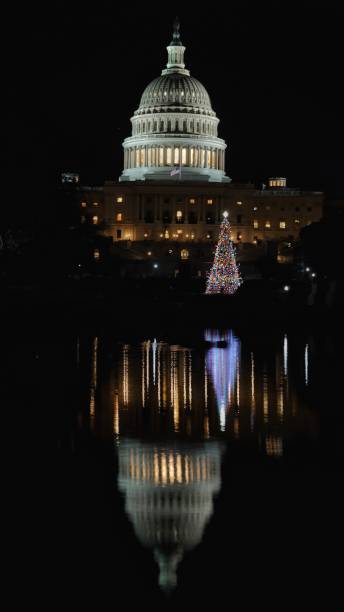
74, 74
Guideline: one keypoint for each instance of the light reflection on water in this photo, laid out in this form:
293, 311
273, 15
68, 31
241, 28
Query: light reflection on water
172, 411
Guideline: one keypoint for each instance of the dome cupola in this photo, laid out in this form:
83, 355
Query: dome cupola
174, 130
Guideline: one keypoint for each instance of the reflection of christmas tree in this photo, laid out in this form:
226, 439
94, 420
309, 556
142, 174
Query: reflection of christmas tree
224, 276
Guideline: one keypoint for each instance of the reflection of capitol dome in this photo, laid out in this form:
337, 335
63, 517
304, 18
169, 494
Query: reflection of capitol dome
174, 126
169, 493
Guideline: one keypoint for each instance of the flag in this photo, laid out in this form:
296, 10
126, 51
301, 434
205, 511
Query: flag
176, 171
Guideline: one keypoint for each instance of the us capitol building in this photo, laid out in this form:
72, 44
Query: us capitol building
174, 185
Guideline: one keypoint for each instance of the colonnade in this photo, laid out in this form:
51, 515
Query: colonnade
160, 156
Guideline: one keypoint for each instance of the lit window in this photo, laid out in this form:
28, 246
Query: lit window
267, 224
255, 208
96, 254
192, 201
119, 199
239, 236
95, 203
149, 253
255, 224
184, 156
210, 202
282, 225
184, 254
192, 236
179, 214
169, 156
240, 204
296, 220
167, 234
83, 204
95, 220
119, 217
179, 232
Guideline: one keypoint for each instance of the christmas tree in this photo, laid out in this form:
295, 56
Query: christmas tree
224, 276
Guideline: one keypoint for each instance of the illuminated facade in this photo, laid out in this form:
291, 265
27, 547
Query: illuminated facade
174, 183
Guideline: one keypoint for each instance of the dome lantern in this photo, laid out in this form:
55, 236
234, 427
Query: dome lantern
175, 52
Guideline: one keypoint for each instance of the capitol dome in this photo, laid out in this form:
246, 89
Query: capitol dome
174, 130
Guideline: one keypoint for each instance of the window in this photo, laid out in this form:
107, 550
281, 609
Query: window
282, 225
184, 156
119, 234
176, 156
161, 156
179, 216
240, 204
137, 158
213, 159
297, 207
267, 207
192, 201
95, 220
119, 199
267, 224
208, 158
239, 219
119, 217
184, 254
96, 254
169, 156
297, 221
210, 202
95, 204
255, 208
83, 204
149, 156
239, 236
309, 209
255, 224
192, 157
83, 219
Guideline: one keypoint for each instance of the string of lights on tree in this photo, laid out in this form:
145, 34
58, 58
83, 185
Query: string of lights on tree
224, 275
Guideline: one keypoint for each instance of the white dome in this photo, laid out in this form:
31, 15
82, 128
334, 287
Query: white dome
174, 125
175, 91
